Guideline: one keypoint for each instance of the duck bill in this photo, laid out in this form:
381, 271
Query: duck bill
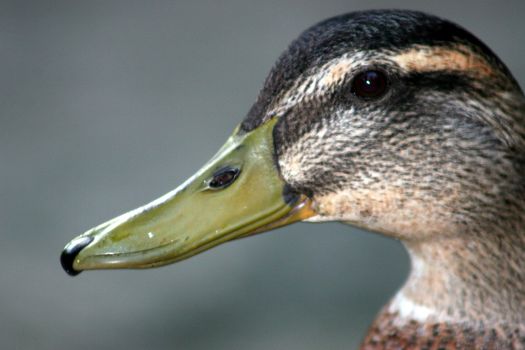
196, 216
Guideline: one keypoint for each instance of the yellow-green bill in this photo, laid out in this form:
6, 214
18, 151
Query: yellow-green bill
239, 192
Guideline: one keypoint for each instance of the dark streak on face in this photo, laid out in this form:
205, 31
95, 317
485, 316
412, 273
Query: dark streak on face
388, 30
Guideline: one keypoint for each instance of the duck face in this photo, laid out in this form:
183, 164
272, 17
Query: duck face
405, 131
383, 119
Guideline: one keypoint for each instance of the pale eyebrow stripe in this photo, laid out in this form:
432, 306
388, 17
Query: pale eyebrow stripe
421, 59
327, 75
415, 59
316, 84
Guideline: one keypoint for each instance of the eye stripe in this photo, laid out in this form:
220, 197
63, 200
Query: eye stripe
414, 59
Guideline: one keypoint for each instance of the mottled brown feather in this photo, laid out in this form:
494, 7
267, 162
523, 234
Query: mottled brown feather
385, 334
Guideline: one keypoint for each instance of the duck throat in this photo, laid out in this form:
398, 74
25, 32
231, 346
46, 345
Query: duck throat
468, 279
461, 294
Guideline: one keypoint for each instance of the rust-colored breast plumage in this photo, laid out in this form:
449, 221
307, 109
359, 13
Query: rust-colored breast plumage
385, 334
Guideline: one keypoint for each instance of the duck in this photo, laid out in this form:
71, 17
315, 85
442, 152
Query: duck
395, 121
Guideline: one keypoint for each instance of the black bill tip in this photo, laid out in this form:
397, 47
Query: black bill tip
71, 251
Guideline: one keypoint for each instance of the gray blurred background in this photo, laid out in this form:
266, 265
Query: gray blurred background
105, 105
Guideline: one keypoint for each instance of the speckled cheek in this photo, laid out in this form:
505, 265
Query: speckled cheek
386, 211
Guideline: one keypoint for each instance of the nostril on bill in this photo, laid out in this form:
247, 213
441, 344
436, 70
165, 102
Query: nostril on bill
71, 251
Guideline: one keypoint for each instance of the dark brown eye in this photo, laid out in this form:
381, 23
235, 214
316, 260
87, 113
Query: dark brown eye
370, 84
224, 178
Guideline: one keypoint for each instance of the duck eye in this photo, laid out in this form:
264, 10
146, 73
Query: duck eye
224, 178
370, 84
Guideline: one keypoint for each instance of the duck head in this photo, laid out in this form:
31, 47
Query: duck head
395, 121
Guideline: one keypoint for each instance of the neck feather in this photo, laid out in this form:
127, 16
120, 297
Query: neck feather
462, 293
467, 279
